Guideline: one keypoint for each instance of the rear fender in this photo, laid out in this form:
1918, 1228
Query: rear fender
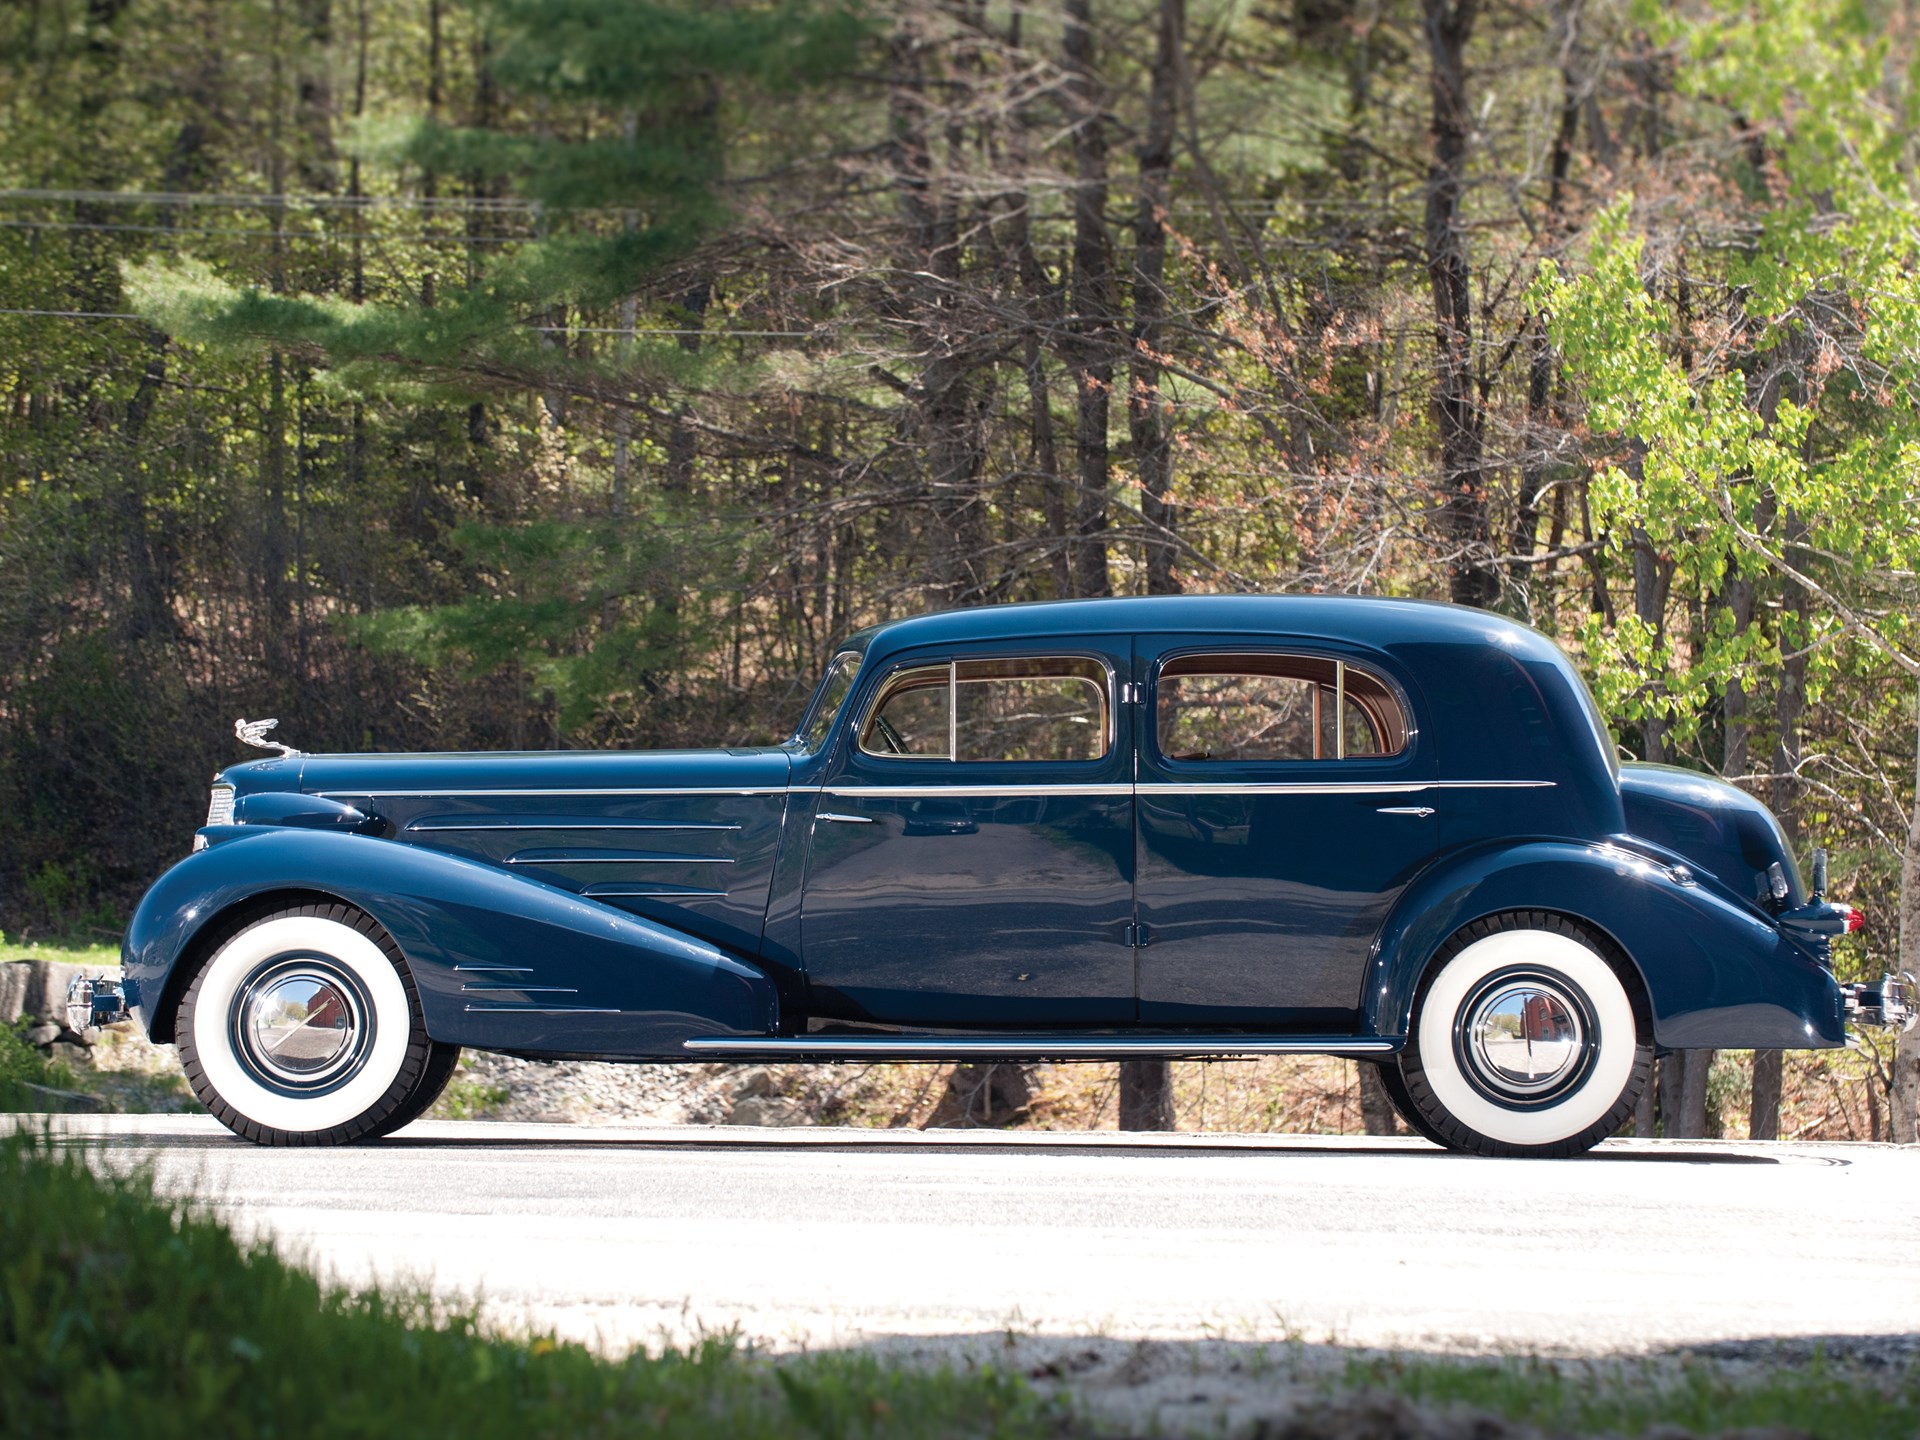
503, 962
1716, 974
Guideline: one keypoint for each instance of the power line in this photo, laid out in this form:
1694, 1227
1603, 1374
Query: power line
281, 201
375, 237
536, 329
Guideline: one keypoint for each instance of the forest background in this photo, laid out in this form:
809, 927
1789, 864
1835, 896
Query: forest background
533, 373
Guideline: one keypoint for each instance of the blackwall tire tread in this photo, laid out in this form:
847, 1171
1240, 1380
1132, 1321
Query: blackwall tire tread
1395, 1084
434, 1079
1439, 1125
367, 1125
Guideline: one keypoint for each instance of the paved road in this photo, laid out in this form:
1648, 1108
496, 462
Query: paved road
818, 1237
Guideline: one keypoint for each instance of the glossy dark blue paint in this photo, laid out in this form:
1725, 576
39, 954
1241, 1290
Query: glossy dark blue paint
502, 962
954, 907
671, 894
1251, 917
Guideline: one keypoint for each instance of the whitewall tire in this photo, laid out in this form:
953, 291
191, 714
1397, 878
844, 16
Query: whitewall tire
1525, 1041
304, 1029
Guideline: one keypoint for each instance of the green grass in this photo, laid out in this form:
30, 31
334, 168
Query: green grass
1630, 1397
465, 1099
69, 950
124, 1314
21, 1064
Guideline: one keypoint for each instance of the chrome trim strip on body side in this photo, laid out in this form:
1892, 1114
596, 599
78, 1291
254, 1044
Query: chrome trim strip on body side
495, 822
967, 792
1037, 1046
1281, 787
508, 794
628, 859
496, 969
614, 890
542, 1010
512, 988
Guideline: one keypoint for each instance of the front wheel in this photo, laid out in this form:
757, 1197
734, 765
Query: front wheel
1524, 1042
304, 1029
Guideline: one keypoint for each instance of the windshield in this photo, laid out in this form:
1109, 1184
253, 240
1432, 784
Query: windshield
827, 700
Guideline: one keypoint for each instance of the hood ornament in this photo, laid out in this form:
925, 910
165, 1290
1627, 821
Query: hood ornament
254, 733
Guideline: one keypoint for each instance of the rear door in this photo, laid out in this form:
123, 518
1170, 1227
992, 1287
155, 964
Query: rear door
1284, 803
972, 853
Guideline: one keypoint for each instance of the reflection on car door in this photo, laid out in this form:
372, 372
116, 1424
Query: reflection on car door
1281, 812
972, 847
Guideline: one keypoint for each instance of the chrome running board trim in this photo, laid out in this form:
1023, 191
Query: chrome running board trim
1039, 1047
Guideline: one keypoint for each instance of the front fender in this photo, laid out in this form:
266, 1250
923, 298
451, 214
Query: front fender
1717, 974
502, 961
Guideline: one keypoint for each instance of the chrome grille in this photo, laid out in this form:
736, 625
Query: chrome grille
220, 807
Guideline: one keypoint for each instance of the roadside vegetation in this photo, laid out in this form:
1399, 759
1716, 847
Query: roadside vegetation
1824, 1398
21, 1065
123, 1311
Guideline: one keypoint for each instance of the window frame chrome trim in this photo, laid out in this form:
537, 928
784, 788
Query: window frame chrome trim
1110, 700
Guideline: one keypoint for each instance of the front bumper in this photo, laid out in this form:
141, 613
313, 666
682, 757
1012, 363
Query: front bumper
1886, 1001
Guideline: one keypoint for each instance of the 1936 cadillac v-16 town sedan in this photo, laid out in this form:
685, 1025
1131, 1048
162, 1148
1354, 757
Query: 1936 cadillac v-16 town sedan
1182, 827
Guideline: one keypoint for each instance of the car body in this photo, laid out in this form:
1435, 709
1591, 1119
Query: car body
1180, 827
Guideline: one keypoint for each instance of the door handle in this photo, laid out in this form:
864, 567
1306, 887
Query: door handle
844, 819
1419, 812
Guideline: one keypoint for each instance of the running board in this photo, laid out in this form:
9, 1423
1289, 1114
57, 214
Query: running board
1038, 1047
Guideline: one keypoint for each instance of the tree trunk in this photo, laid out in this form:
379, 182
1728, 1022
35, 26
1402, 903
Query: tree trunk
1095, 305
1146, 1095
1471, 578
1769, 1080
1736, 760
947, 405
1904, 1124
1146, 1086
1149, 421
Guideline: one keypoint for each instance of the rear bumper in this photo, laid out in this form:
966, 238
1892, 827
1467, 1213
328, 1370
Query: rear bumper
1887, 1001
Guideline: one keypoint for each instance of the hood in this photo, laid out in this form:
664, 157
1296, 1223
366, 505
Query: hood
510, 772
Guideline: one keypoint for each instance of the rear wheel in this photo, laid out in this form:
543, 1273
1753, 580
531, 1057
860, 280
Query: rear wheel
1524, 1042
304, 1029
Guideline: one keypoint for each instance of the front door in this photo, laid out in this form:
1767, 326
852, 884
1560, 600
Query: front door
1282, 810
972, 848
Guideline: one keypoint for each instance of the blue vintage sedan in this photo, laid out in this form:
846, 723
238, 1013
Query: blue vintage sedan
1189, 827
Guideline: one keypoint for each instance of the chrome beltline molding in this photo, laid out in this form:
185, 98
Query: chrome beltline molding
568, 790
965, 792
483, 825
1093, 1047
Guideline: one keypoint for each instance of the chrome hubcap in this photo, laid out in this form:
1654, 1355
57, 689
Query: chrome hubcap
301, 1025
1524, 1038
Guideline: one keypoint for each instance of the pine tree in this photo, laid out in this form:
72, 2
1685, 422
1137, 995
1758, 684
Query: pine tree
611, 143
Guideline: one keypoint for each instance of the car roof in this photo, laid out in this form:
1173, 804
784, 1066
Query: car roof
1377, 621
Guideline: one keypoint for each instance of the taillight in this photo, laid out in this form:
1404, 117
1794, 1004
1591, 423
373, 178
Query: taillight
1855, 920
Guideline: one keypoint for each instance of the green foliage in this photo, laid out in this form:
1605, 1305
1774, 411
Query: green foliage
1783, 440
21, 1064
1632, 1397
119, 1312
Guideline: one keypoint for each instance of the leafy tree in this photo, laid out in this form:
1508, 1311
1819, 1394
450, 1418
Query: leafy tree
1781, 437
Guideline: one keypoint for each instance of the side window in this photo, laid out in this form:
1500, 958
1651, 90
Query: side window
1032, 709
1274, 707
975, 710
914, 716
